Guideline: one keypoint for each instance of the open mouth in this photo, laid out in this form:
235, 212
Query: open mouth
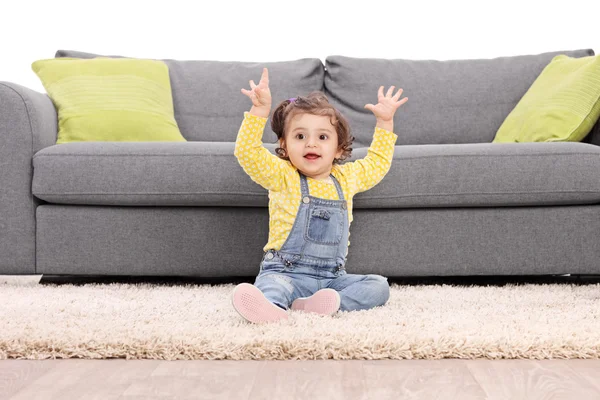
312, 156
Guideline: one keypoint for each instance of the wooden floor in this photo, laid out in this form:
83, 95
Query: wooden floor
319, 379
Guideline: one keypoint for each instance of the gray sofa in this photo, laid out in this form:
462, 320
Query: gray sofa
453, 203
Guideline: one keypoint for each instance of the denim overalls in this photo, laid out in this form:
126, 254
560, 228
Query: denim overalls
314, 257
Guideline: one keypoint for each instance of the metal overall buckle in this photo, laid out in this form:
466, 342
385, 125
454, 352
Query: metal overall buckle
287, 262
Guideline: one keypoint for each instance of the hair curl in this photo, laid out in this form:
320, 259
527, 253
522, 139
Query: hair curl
316, 103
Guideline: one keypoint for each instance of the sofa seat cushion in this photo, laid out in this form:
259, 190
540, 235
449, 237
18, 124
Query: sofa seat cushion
208, 174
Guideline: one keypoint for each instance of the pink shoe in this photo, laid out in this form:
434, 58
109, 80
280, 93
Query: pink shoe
251, 303
324, 301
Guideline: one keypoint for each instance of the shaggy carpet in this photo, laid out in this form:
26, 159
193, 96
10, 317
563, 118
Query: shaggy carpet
171, 322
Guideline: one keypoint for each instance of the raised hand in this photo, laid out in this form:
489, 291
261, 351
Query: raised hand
388, 104
260, 95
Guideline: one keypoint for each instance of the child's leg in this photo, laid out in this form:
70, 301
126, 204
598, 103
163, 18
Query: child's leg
277, 288
361, 292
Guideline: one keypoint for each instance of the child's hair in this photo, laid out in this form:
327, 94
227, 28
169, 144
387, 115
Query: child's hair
315, 103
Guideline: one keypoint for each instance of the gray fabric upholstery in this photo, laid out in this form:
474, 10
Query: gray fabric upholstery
594, 136
454, 101
27, 124
207, 95
208, 174
227, 241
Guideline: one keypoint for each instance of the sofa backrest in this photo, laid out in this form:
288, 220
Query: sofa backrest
454, 101
207, 98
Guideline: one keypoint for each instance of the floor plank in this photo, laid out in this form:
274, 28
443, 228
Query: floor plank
202, 379
310, 379
531, 380
420, 379
589, 369
16, 375
86, 379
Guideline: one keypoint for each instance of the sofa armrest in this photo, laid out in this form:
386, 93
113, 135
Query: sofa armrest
32, 115
28, 123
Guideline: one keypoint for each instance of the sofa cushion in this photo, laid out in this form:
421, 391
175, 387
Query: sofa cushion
208, 174
453, 101
106, 99
207, 97
562, 105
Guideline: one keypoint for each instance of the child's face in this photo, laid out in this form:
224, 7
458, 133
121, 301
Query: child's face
310, 133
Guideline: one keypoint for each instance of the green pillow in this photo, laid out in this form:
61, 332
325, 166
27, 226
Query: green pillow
562, 105
110, 99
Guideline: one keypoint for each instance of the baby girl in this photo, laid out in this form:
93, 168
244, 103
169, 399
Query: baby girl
310, 203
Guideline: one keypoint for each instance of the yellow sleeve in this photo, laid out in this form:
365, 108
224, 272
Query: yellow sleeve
370, 170
262, 166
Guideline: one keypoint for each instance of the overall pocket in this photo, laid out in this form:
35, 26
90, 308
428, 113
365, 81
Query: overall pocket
324, 225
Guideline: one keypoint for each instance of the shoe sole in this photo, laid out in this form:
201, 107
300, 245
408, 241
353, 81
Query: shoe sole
324, 301
251, 304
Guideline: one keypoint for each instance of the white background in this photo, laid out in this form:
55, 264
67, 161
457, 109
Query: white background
266, 30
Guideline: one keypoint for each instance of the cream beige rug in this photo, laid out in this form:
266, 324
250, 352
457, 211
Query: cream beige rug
172, 322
